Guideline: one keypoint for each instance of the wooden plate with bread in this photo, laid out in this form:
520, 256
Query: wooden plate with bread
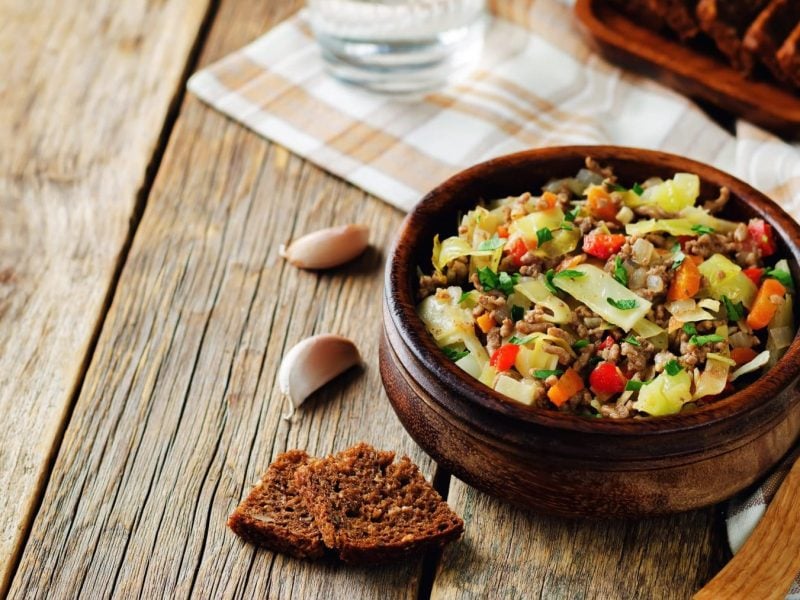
741, 55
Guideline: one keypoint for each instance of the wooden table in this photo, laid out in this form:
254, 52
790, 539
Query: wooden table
143, 313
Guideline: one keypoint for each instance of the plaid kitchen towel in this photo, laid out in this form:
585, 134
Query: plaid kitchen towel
538, 84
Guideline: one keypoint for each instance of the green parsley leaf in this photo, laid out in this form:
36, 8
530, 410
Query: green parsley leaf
507, 282
492, 243
454, 354
568, 274
701, 229
637, 189
517, 312
690, 328
632, 341
784, 277
635, 386
572, 214
735, 311
620, 274
702, 340
464, 296
497, 281
545, 373
518, 341
543, 235
548, 281
673, 367
623, 304
679, 256
615, 187
567, 227
580, 344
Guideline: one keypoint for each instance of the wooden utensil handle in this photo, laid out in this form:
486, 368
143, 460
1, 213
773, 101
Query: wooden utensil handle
770, 559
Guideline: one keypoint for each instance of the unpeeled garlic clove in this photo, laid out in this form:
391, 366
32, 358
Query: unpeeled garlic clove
327, 248
314, 362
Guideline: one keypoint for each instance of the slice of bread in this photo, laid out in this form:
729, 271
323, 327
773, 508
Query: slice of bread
373, 510
769, 31
275, 516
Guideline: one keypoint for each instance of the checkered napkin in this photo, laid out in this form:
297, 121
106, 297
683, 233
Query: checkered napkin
538, 84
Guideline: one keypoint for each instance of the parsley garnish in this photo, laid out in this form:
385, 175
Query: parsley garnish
637, 189
497, 281
454, 354
545, 373
620, 274
543, 235
517, 312
735, 311
632, 340
567, 227
701, 229
690, 328
702, 340
673, 367
464, 296
616, 187
679, 256
623, 304
572, 214
580, 344
635, 386
492, 243
784, 277
548, 281
569, 274
518, 341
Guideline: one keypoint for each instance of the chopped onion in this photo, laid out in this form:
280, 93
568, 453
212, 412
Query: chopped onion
687, 311
637, 279
625, 215
655, 283
781, 337
710, 304
726, 359
754, 365
642, 252
741, 339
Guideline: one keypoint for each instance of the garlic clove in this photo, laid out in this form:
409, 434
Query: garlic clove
312, 363
327, 248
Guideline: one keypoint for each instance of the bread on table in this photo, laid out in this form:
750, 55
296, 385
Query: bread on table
769, 31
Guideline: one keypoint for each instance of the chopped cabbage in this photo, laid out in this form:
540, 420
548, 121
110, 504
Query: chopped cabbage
536, 290
665, 395
754, 365
674, 194
452, 248
471, 365
521, 391
598, 290
538, 358
528, 225
714, 378
725, 278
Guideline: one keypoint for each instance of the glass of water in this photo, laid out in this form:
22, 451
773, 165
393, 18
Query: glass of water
398, 46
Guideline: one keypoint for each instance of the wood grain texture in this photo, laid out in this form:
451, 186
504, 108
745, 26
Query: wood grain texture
84, 94
770, 559
180, 412
529, 556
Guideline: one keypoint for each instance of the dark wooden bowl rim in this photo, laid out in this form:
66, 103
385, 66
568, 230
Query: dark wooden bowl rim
400, 297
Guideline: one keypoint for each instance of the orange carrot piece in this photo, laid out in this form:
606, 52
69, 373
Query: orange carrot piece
550, 199
502, 231
600, 204
485, 322
569, 384
743, 355
763, 307
686, 282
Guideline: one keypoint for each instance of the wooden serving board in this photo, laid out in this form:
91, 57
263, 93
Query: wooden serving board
688, 70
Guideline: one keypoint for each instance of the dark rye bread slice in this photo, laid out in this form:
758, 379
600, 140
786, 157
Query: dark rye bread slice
789, 55
726, 21
372, 510
275, 516
768, 32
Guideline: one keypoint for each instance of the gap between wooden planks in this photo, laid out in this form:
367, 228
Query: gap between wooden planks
179, 413
86, 91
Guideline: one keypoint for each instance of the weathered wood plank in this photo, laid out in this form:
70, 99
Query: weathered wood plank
530, 556
85, 91
180, 411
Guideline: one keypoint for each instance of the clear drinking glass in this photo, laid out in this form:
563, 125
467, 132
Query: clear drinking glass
398, 45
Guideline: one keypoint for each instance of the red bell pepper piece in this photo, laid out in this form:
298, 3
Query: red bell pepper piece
754, 274
763, 236
607, 379
603, 245
504, 357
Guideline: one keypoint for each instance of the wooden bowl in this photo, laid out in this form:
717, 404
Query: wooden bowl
565, 464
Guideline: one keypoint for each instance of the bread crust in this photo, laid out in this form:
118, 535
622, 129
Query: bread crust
769, 31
